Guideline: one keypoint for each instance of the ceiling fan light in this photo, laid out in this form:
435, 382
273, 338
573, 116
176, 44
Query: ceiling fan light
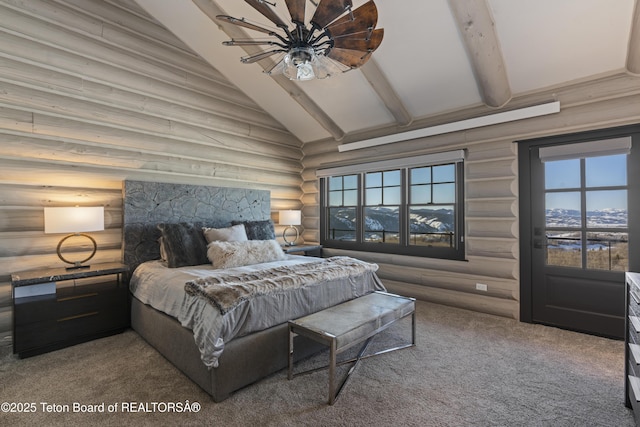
305, 71
298, 64
325, 67
277, 69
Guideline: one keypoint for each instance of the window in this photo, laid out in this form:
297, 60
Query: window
586, 194
382, 200
343, 205
408, 206
586, 213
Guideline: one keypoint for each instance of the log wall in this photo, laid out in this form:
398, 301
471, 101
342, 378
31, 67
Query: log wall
94, 92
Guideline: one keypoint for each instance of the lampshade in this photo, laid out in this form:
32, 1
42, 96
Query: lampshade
302, 63
290, 217
73, 219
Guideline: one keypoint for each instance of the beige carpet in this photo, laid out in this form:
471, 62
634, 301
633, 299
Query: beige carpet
468, 369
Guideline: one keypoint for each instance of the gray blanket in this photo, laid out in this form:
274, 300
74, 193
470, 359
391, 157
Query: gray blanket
228, 291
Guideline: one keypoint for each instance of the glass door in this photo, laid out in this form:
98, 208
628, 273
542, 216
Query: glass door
580, 234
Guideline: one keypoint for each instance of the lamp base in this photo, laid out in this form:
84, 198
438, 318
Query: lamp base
77, 264
78, 267
284, 236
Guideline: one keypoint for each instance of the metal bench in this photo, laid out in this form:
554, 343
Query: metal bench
342, 326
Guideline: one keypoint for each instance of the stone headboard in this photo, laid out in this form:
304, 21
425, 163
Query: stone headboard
146, 204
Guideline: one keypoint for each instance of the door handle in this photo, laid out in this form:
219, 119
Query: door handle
537, 244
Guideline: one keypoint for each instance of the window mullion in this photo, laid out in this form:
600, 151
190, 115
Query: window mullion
583, 212
404, 208
360, 210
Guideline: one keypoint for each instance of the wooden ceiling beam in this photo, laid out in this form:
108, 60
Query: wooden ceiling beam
477, 28
310, 106
385, 91
633, 52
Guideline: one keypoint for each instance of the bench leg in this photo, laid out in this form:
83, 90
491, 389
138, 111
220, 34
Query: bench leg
332, 367
332, 373
413, 328
291, 335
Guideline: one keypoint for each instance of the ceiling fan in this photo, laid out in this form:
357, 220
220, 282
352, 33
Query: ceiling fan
337, 38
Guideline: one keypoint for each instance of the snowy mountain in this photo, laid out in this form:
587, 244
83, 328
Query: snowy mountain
386, 219
606, 218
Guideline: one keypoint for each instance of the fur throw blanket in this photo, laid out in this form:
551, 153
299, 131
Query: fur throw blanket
227, 291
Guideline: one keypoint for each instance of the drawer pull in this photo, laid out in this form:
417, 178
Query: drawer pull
92, 294
635, 321
79, 316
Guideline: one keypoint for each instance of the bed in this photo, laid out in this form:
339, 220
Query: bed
223, 340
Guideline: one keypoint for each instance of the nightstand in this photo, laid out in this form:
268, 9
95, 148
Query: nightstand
56, 308
308, 250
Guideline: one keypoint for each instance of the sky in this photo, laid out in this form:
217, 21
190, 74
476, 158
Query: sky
604, 171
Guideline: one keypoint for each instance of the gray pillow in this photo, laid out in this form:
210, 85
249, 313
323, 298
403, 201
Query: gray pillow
184, 244
258, 230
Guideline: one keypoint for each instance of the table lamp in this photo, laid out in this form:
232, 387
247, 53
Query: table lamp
290, 218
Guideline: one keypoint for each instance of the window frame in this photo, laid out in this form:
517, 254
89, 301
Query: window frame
455, 252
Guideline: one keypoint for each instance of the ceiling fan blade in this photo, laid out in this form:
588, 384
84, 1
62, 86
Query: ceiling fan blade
350, 58
364, 17
363, 41
251, 42
258, 56
268, 13
296, 10
329, 10
242, 23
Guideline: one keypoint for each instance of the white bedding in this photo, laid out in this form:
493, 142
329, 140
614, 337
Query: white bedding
163, 289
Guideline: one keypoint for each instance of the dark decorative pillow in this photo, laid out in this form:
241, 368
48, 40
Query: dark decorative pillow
258, 230
184, 245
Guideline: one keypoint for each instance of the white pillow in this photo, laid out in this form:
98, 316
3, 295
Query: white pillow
235, 233
237, 254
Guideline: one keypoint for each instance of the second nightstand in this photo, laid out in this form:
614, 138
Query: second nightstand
308, 250
56, 308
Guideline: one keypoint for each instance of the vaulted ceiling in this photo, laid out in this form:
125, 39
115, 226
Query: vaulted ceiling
437, 57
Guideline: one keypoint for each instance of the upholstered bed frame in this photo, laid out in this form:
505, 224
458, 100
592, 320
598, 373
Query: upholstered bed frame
245, 359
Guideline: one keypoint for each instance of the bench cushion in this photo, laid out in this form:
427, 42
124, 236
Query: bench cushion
356, 320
